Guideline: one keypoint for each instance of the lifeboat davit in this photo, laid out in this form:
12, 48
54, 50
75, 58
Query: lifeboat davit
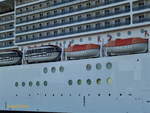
43, 54
82, 51
127, 46
11, 57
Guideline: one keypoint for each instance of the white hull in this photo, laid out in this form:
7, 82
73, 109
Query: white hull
83, 54
134, 48
48, 57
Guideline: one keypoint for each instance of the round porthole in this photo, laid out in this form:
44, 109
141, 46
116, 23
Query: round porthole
23, 84
109, 80
88, 67
53, 69
45, 70
89, 81
70, 82
16, 84
61, 69
98, 66
38, 83
98, 81
45, 83
79, 82
89, 38
81, 40
109, 65
30, 83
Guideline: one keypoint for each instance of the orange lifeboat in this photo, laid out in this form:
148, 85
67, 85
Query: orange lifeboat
127, 46
82, 51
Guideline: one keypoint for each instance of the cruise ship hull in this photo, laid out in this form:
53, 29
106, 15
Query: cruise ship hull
127, 92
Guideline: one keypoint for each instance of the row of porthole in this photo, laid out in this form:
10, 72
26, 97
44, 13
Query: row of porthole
99, 94
30, 84
89, 81
98, 66
53, 69
88, 67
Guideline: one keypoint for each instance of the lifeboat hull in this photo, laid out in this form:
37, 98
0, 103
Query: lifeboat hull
44, 58
15, 61
43, 54
127, 49
83, 54
13, 57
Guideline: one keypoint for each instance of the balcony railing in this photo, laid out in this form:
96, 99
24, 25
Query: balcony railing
141, 7
76, 21
74, 32
69, 11
7, 45
141, 20
8, 37
56, 4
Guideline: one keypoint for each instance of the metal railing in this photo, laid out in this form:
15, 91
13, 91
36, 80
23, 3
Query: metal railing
76, 21
68, 11
146, 6
73, 32
141, 20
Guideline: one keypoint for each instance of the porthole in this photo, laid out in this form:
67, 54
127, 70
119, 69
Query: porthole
30, 83
98, 66
70, 82
64, 42
129, 33
38, 83
109, 80
53, 69
89, 38
45, 70
98, 81
142, 30
61, 69
109, 65
89, 81
23, 84
119, 34
45, 83
16, 84
88, 67
81, 40
72, 41
79, 82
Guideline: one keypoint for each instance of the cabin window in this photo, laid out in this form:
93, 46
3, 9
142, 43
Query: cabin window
98, 66
109, 80
118, 34
38, 83
88, 67
16, 84
45, 83
61, 69
45, 70
129, 32
70, 82
23, 84
53, 69
98, 81
79, 82
109, 65
30, 83
89, 81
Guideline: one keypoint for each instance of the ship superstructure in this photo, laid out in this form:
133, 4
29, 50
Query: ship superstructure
75, 56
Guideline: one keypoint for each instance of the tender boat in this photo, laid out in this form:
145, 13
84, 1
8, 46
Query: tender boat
82, 51
11, 57
126, 46
43, 54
